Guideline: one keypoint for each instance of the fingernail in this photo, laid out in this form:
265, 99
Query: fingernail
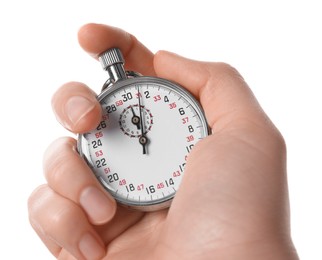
90, 247
77, 107
98, 206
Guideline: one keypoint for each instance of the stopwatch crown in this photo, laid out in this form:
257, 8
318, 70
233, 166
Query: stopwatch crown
111, 57
112, 62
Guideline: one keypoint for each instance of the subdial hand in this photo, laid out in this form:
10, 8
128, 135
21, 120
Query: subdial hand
143, 140
135, 119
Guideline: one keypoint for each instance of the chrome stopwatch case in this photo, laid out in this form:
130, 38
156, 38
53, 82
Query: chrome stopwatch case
149, 125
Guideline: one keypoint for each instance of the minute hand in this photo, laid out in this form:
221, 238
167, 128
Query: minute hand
143, 139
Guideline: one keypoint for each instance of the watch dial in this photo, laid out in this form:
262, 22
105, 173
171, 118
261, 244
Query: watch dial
139, 150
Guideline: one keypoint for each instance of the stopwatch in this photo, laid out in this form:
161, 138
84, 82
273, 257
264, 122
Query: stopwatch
149, 125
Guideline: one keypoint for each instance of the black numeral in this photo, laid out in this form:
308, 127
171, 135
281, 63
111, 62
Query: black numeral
101, 125
113, 177
130, 188
100, 163
181, 166
169, 182
189, 148
111, 108
181, 111
127, 96
96, 143
147, 94
150, 189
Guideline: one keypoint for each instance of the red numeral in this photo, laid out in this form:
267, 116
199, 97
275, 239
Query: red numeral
176, 174
138, 95
99, 153
140, 187
173, 105
107, 170
122, 182
99, 134
185, 120
190, 138
160, 185
119, 103
156, 98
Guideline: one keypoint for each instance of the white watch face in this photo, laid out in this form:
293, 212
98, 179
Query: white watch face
139, 150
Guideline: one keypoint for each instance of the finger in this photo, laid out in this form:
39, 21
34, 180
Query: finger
63, 224
68, 175
97, 38
223, 93
76, 108
52, 246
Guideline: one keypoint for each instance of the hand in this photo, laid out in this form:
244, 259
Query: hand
135, 119
233, 200
143, 139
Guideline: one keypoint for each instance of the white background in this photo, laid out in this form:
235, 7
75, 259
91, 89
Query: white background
276, 45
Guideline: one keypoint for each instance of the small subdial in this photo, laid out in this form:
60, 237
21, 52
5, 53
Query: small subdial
130, 120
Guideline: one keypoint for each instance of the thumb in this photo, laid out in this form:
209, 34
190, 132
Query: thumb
235, 179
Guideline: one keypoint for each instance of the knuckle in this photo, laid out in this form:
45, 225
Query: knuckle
280, 142
227, 69
65, 219
37, 202
55, 217
61, 217
49, 212
227, 73
56, 159
35, 199
222, 79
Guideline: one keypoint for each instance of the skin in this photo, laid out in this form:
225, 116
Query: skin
243, 209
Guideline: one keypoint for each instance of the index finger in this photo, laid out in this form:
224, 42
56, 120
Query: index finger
97, 38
